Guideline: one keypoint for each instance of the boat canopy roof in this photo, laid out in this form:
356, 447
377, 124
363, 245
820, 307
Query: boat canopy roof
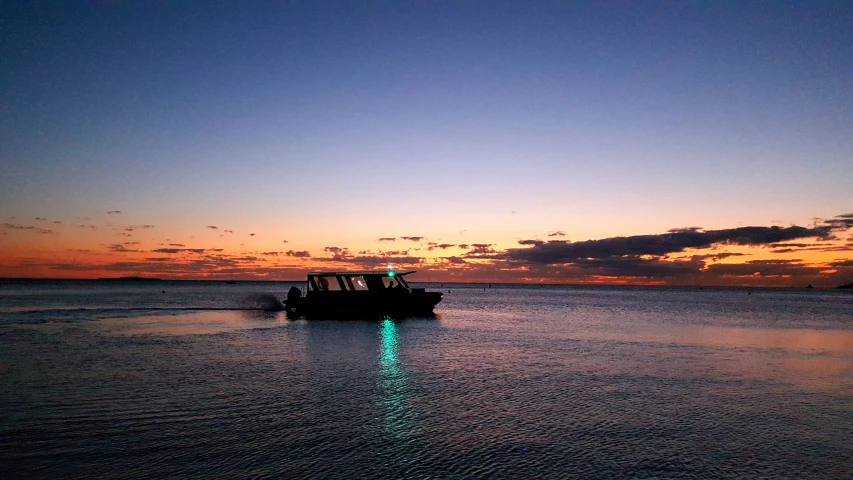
380, 273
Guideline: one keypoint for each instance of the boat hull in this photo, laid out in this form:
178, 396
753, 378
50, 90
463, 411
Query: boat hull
345, 305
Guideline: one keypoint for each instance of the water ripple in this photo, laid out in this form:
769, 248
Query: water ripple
547, 387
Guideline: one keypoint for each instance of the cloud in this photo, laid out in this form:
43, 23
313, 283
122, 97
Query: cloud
120, 248
443, 246
337, 251
764, 268
839, 222
177, 267
114, 212
387, 239
342, 255
557, 252
684, 230
251, 234
797, 245
177, 245
635, 266
370, 261
284, 241
178, 250
395, 253
42, 231
228, 231
413, 239
558, 233
57, 221
454, 260
272, 254
41, 219
301, 254
480, 249
843, 263
837, 248
213, 227
138, 227
717, 256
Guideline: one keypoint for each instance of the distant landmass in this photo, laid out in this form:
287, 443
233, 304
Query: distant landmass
131, 279
846, 285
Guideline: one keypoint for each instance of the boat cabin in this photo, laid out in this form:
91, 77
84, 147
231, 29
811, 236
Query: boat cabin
356, 281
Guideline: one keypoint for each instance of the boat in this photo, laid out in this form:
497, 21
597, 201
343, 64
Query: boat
367, 294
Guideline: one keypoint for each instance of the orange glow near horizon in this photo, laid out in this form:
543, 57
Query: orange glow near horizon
89, 250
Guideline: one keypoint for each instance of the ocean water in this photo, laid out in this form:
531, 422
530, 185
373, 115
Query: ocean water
121, 380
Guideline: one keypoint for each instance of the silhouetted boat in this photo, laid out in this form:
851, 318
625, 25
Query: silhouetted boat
359, 295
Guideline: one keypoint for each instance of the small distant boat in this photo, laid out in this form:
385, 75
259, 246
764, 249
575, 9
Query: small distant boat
810, 286
359, 295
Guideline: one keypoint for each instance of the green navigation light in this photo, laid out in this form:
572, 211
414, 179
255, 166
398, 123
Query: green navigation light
391, 274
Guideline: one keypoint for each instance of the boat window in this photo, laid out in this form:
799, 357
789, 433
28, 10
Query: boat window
397, 282
328, 283
356, 282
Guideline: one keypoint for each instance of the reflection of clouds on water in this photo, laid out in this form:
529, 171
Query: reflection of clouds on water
397, 415
814, 360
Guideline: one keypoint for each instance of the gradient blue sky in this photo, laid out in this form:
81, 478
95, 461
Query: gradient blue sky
306, 119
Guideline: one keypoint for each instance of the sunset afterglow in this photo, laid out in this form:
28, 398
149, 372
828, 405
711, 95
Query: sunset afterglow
551, 144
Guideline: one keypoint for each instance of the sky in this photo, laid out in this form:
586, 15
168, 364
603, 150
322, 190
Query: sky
555, 142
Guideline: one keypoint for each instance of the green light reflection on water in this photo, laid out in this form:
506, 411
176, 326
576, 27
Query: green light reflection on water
396, 414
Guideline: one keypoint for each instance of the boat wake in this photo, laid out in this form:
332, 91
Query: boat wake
270, 308
263, 301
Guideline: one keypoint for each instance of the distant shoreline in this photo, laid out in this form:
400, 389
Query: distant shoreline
129, 279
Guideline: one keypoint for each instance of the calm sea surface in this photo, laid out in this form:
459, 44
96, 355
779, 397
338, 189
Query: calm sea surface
119, 380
